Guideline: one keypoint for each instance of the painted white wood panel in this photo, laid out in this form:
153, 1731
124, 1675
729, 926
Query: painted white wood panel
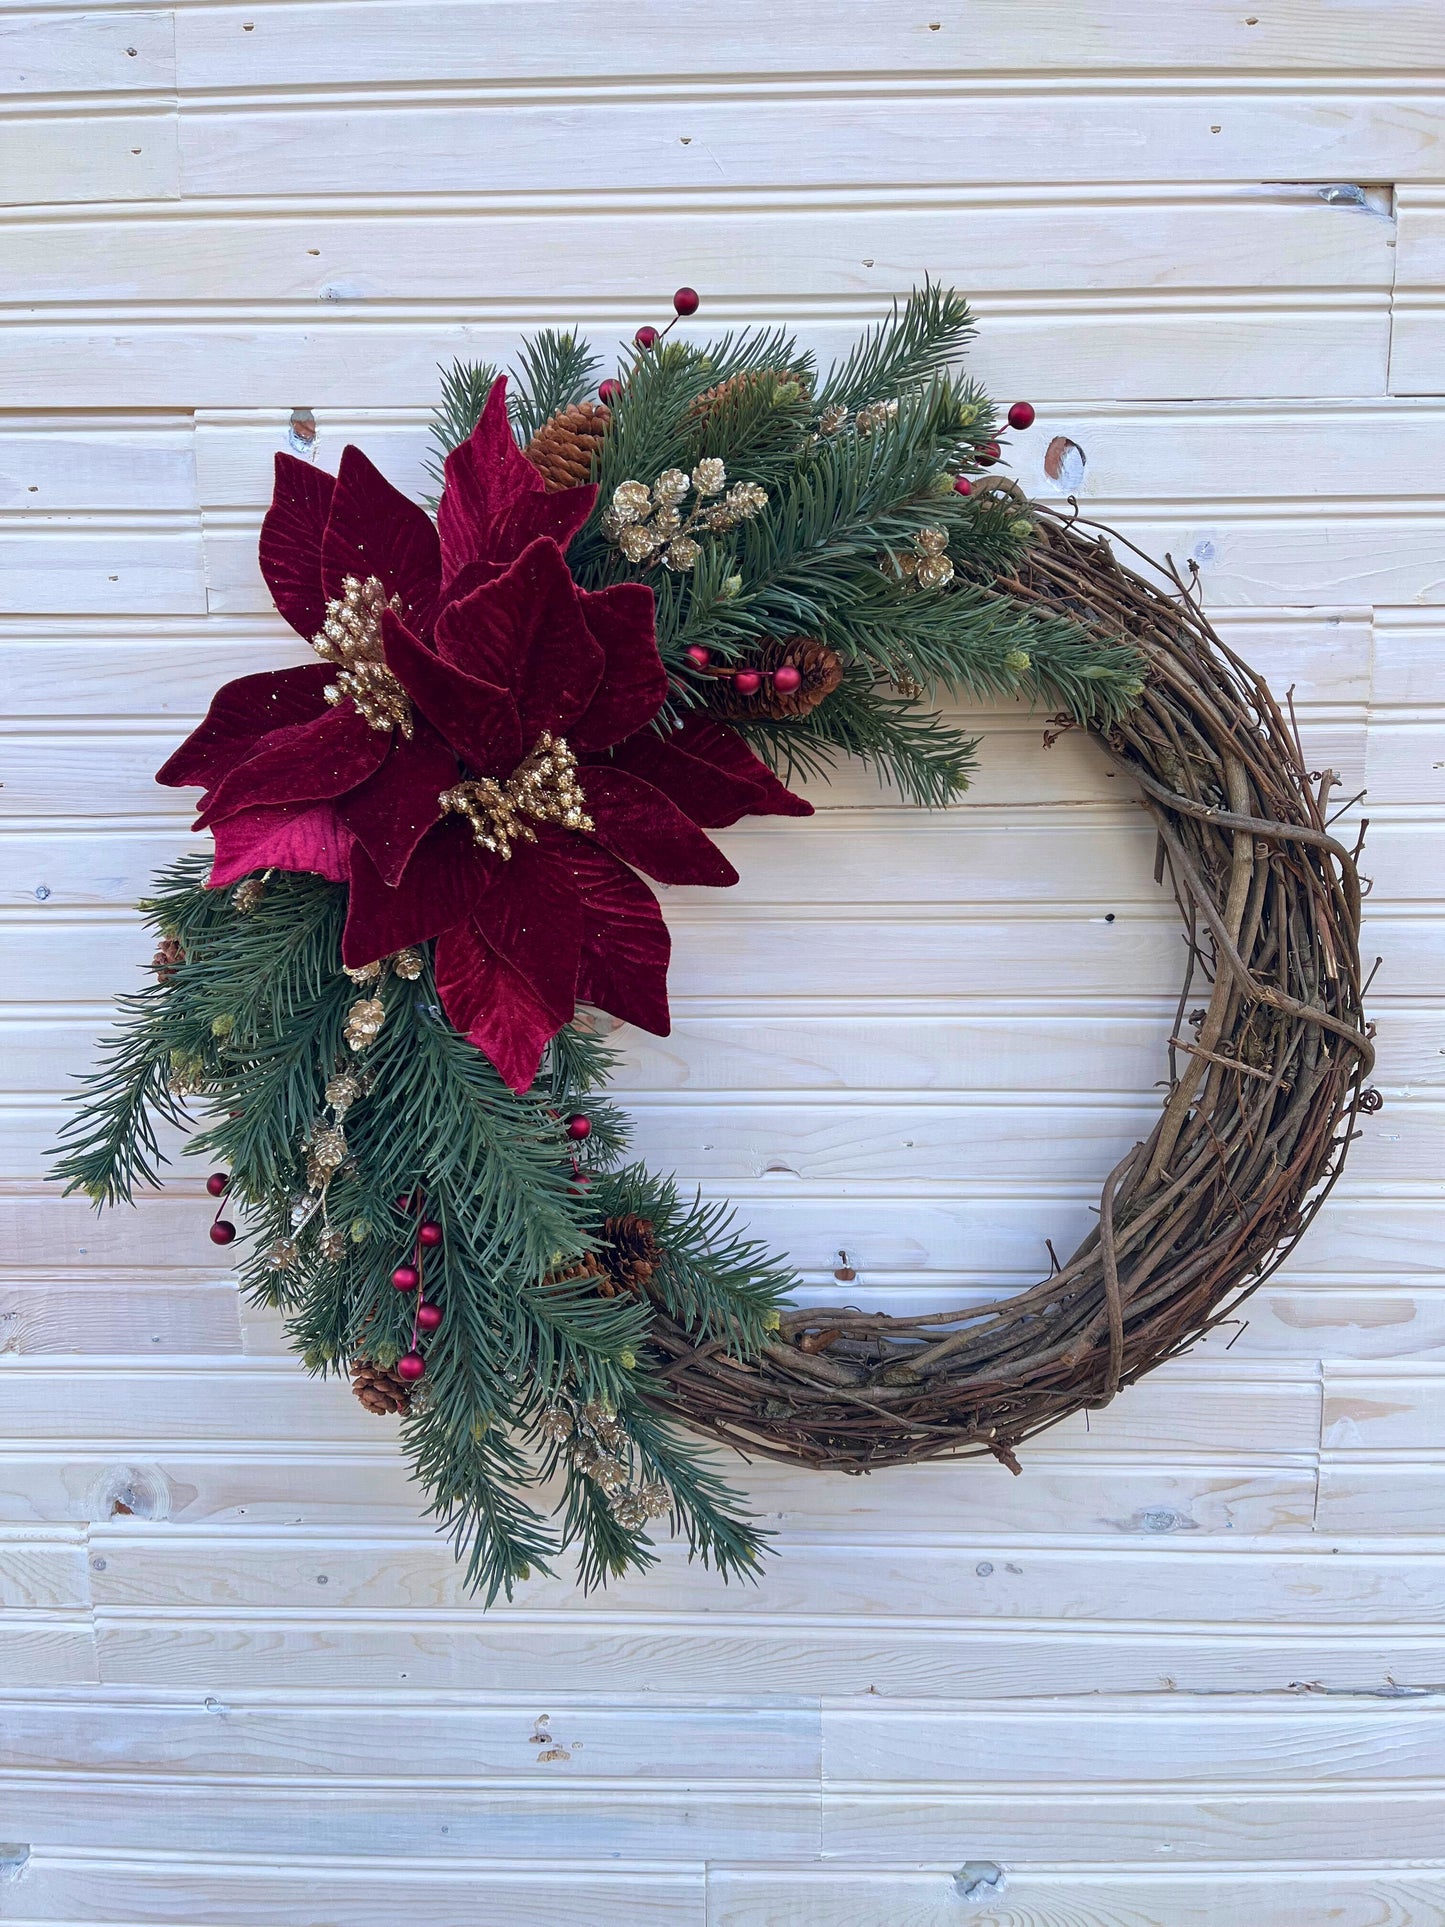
1186, 1671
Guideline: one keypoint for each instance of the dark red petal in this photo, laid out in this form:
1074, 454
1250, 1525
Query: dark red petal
283, 836
557, 516
439, 888
625, 943
241, 716
532, 918
374, 529
491, 1006
291, 538
639, 824
483, 478
476, 716
715, 743
525, 631
709, 795
634, 682
331, 754
391, 811
460, 586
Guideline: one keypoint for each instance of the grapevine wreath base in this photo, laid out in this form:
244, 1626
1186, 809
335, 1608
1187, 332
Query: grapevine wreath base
644, 604
1266, 1080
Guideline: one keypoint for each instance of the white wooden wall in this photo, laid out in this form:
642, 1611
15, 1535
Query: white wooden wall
1189, 1670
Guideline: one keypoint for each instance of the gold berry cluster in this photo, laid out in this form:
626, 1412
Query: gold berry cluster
350, 635
648, 525
543, 786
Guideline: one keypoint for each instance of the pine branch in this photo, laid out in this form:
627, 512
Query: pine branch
909, 350
556, 371
926, 759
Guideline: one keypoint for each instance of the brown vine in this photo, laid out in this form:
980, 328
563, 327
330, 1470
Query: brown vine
1261, 1106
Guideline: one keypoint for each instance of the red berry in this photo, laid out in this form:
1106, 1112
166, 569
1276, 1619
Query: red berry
988, 454
646, 336
962, 485
428, 1317
218, 1184
406, 1202
406, 1277
698, 656
747, 682
608, 391
687, 301
411, 1366
787, 679
1021, 415
429, 1233
579, 1126
222, 1232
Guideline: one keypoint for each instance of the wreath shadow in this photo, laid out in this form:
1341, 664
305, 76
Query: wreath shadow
1262, 1103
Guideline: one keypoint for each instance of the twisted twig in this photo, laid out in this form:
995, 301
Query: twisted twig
1253, 1131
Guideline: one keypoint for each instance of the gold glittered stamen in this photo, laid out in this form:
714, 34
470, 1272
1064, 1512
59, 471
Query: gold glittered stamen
350, 636
544, 788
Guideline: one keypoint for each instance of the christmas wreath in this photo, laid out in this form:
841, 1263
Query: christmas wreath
640, 608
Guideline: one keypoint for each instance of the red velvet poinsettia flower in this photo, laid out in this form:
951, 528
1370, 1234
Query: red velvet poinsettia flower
475, 758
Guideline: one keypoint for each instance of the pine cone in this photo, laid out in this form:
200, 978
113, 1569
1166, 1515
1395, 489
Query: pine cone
632, 1253
565, 447
168, 959
820, 667
588, 1267
738, 388
379, 1388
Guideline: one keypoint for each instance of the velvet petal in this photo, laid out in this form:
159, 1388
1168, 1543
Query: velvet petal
242, 715
625, 943
525, 631
490, 1005
374, 529
532, 918
439, 887
634, 683
714, 743
495, 502
476, 716
282, 836
291, 538
710, 796
482, 477
639, 824
326, 757
556, 516
392, 810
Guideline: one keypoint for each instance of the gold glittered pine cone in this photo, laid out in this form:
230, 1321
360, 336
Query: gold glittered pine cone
565, 446
379, 1388
784, 384
820, 668
632, 1254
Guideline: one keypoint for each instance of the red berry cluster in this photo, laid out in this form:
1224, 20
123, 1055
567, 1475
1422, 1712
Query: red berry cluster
747, 682
685, 302
1020, 416
408, 1277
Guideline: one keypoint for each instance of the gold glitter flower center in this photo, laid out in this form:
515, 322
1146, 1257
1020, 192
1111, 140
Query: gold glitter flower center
351, 636
543, 787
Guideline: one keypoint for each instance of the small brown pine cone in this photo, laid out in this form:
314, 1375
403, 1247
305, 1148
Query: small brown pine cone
819, 666
168, 959
565, 447
588, 1267
728, 394
632, 1254
379, 1388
